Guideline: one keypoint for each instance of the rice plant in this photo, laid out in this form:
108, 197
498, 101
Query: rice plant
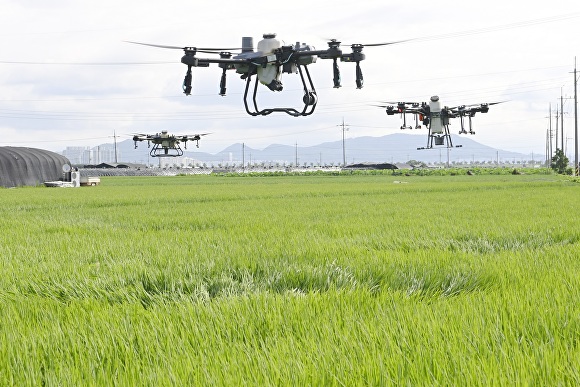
292, 280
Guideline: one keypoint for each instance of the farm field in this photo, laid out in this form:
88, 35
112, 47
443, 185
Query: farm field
292, 280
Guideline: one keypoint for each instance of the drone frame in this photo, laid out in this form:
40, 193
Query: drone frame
160, 151
171, 149
422, 112
287, 59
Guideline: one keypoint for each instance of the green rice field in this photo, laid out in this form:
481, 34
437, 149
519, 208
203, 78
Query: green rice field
315, 280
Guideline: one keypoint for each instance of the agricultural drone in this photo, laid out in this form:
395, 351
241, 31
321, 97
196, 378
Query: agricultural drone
436, 118
165, 144
271, 59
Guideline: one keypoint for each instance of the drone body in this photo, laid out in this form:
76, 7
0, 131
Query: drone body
165, 144
436, 118
271, 59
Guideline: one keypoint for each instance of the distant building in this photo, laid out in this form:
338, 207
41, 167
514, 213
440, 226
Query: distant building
181, 162
85, 155
76, 154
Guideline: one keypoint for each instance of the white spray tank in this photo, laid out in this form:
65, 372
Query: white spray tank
435, 110
270, 74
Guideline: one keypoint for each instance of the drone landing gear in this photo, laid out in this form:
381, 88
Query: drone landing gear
310, 99
463, 131
440, 139
404, 126
160, 151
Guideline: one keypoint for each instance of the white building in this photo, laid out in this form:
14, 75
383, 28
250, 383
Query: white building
85, 155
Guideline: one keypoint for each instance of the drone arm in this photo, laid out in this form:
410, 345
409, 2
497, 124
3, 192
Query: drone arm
225, 62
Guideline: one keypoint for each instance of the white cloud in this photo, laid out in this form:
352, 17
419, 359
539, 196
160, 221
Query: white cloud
480, 52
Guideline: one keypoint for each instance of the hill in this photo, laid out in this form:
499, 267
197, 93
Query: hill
392, 148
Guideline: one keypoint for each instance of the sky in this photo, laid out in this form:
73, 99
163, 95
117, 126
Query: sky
69, 78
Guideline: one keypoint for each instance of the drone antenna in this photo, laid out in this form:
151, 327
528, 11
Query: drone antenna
247, 44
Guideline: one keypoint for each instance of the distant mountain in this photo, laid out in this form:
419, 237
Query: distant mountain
391, 148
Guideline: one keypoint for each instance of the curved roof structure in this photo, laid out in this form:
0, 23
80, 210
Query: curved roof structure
29, 166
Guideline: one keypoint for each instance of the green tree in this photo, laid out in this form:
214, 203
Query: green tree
559, 162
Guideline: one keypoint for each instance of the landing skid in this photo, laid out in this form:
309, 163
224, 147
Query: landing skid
439, 139
159, 151
310, 98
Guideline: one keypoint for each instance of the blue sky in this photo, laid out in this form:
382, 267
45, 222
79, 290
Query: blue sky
69, 78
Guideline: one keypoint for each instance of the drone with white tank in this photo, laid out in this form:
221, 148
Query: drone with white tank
436, 118
165, 144
271, 59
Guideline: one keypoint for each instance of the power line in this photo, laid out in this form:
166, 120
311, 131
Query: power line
550, 19
83, 63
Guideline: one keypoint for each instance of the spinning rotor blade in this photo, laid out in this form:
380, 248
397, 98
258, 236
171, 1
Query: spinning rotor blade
408, 105
475, 105
376, 44
192, 136
140, 136
206, 50
339, 43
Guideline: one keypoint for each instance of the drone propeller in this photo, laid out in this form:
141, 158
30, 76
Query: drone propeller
375, 44
187, 136
475, 105
337, 42
206, 50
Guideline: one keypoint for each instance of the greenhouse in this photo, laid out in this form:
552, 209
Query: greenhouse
21, 166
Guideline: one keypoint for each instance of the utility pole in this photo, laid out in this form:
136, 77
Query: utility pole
344, 128
575, 121
115, 145
562, 118
557, 127
243, 156
550, 133
547, 152
115, 142
296, 154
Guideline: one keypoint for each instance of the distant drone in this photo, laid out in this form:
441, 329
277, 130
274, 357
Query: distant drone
271, 59
166, 145
436, 118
